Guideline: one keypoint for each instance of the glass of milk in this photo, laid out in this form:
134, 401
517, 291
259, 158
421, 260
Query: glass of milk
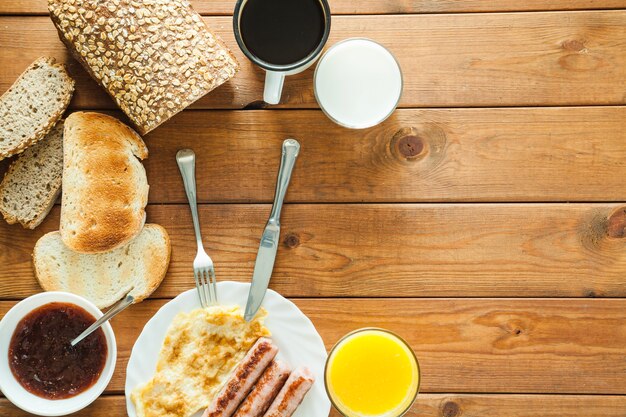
358, 83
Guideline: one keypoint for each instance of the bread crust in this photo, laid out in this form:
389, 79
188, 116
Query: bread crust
105, 190
157, 274
51, 277
43, 130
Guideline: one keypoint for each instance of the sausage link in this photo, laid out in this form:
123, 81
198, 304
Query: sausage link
242, 379
265, 390
291, 395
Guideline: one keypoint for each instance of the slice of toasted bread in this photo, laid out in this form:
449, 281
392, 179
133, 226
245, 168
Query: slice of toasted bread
136, 268
105, 190
33, 182
33, 104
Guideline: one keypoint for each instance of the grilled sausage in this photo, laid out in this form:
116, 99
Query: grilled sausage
242, 379
291, 395
265, 390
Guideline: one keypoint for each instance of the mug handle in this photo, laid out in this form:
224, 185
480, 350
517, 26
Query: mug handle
273, 87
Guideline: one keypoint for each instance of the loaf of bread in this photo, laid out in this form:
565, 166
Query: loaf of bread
32, 105
105, 190
136, 268
153, 57
33, 181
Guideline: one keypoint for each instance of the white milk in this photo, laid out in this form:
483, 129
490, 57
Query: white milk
358, 83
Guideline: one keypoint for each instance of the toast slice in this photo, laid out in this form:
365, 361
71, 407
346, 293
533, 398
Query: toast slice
136, 268
105, 189
33, 105
33, 181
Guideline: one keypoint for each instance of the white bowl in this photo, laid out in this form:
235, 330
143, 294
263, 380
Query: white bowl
29, 402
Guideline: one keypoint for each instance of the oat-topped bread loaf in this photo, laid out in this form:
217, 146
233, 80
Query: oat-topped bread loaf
33, 182
105, 190
33, 104
154, 57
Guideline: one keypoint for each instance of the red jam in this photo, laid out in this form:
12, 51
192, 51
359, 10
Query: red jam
42, 358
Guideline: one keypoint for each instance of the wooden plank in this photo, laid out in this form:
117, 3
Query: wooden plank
475, 250
225, 7
468, 345
528, 154
433, 155
452, 60
433, 405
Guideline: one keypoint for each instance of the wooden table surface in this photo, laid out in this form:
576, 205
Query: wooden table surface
485, 221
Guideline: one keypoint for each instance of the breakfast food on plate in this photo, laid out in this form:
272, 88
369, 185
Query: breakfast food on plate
265, 390
32, 105
105, 189
33, 181
291, 395
154, 58
242, 379
136, 268
213, 359
200, 351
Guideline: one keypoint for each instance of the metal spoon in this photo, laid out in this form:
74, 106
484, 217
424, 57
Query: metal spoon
113, 311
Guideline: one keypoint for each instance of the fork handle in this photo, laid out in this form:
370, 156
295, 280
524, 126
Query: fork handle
186, 160
291, 148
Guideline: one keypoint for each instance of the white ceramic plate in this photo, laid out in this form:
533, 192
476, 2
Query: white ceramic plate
298, 342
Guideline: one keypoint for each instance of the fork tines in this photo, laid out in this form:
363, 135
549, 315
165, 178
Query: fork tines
206, 283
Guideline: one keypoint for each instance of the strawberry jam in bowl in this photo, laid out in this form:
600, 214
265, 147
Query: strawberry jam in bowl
44, 373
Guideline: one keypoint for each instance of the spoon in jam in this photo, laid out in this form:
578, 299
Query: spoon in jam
113, 311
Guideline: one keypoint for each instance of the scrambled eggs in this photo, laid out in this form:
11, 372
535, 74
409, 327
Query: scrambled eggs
200, 351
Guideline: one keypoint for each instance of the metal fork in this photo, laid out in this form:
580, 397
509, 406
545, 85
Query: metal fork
203, 270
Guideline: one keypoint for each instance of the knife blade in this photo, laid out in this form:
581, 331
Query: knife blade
269, 240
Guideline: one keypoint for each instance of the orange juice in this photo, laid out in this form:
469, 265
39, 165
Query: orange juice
372, 373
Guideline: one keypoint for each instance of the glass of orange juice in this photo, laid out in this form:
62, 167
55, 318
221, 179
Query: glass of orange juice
372, 372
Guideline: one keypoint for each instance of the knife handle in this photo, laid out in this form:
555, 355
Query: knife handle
291, 148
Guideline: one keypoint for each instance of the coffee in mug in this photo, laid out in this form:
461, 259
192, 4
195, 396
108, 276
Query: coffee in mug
282, 32
284, 37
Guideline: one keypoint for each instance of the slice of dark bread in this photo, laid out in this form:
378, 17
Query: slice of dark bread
33, 105
33, 181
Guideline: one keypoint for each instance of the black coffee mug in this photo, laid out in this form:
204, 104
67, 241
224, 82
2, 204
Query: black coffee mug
284, 37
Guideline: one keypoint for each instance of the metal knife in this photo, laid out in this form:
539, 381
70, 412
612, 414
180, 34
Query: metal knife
269, 241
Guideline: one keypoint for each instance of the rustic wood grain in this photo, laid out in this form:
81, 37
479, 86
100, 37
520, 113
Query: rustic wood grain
500, 352
527, 154
459, 60
433, 405
334, 250
468, 345
225, 7
433, 155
